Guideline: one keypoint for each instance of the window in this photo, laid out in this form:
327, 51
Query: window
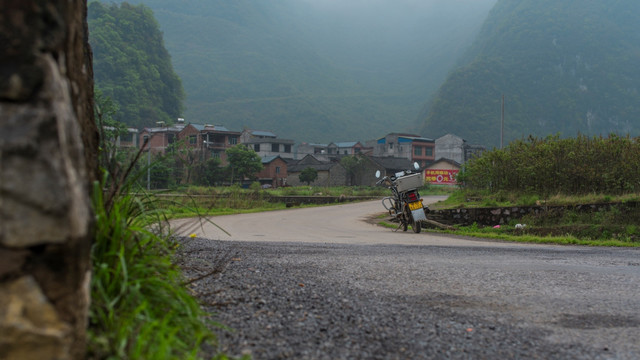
275, 147
390, 146
215, 154
193, 139
256, 147
233, 140
417, 151
287, 148
277, 169
429, 151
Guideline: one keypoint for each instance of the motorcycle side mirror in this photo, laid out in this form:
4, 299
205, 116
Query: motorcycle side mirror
377, 174
416, 166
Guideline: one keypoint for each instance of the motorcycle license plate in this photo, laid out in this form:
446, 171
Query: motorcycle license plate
415, 205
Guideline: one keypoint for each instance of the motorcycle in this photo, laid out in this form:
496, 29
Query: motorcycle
405, 204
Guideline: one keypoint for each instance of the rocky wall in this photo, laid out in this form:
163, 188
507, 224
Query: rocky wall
48, 152
491, 216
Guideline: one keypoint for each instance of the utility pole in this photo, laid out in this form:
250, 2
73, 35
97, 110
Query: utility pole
502, 125
149, 169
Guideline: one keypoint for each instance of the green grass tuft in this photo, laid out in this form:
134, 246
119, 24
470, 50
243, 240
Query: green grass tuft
140, 309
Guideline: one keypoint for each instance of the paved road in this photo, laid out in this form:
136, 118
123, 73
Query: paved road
556, 301
346, 224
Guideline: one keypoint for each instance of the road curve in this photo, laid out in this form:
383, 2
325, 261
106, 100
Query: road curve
337, 224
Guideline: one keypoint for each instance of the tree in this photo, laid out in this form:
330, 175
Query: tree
244, 162
354, 165
131, 64
211, 173
308, 175
187, 160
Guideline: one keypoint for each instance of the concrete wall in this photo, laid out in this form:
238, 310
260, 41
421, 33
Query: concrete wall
450, 147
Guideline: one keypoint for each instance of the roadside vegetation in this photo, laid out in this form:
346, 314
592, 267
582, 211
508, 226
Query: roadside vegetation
557, 172
141, 306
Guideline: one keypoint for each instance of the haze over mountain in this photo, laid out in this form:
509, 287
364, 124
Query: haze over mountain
564, 67
315, 70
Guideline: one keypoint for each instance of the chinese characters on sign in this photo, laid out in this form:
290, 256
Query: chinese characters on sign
437, 176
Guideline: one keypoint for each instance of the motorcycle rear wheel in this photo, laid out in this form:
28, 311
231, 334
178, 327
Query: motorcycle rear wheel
417, 227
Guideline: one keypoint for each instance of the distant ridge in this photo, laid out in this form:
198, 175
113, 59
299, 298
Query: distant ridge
564, 67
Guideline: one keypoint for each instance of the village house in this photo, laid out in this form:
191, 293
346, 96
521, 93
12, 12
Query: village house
249, 134
216, 139
274, 172
388, 166
345, 148
442, 172
125, 138
329, 173
455, 148
191, 136
319, 151
266, 143
209, 141
157, 139
412, 147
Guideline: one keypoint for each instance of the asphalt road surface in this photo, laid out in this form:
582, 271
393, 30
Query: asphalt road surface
327, 283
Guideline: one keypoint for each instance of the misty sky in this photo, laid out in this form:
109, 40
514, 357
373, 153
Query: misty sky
385, 32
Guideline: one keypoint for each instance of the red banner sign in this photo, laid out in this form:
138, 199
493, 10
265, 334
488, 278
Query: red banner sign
438, 176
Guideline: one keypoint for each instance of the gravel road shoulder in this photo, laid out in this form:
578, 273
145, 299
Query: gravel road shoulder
330, 301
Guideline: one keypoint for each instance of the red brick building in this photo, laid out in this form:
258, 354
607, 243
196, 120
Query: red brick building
274, 171
217, 139
157, 139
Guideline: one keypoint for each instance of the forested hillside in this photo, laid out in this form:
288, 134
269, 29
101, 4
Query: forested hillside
314, 70
131, 65
564, 67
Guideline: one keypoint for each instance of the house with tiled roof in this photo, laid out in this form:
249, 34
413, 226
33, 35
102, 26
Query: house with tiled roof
274, 171
319, 151
330, 173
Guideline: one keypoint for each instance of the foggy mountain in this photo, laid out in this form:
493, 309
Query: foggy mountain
315, 70
564, 67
